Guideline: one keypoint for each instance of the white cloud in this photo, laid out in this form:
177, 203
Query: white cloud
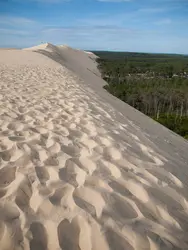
43, 1
163, 21
13, 32
151, 10
14, 21
114, 1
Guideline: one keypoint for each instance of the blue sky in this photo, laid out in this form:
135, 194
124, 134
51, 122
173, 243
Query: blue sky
127, 25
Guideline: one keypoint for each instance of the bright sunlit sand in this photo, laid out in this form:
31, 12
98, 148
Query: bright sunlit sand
75, 173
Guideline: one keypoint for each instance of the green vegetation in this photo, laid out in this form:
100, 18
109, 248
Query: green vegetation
155, 84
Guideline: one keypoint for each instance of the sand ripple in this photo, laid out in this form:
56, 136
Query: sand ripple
72, 176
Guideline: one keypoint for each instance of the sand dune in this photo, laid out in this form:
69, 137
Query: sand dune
79, 169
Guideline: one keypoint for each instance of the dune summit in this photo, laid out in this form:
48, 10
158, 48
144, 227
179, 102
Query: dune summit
79, 169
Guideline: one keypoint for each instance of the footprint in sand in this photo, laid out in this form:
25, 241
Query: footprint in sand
11, 235
71, 150
74, 235
116, 241
7, 175
2, 193
112, 153
89, 200
8, 212
16, 126
122, 207
72, 174
39, 237
42, 174
68, 234
23, 195
63, 197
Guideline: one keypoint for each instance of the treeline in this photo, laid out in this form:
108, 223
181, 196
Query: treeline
123, 63
158, 95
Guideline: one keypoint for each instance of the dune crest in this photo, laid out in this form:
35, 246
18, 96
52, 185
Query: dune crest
43, 46
78, 173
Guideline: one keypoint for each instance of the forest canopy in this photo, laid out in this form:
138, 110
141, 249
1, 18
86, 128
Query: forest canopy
155, 84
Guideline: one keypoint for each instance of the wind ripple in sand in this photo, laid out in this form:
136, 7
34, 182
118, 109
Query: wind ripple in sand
72, 176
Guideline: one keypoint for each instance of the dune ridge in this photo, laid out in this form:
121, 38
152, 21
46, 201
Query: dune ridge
75, 173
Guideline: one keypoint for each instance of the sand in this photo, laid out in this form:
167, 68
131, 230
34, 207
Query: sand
78, 168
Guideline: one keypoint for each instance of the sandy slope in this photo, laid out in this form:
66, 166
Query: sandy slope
75, 173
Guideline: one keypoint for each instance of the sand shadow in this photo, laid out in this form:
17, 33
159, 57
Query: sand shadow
7, 175
90, 209
42, 174
23, 195
68, 235
39, 241
116, 242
